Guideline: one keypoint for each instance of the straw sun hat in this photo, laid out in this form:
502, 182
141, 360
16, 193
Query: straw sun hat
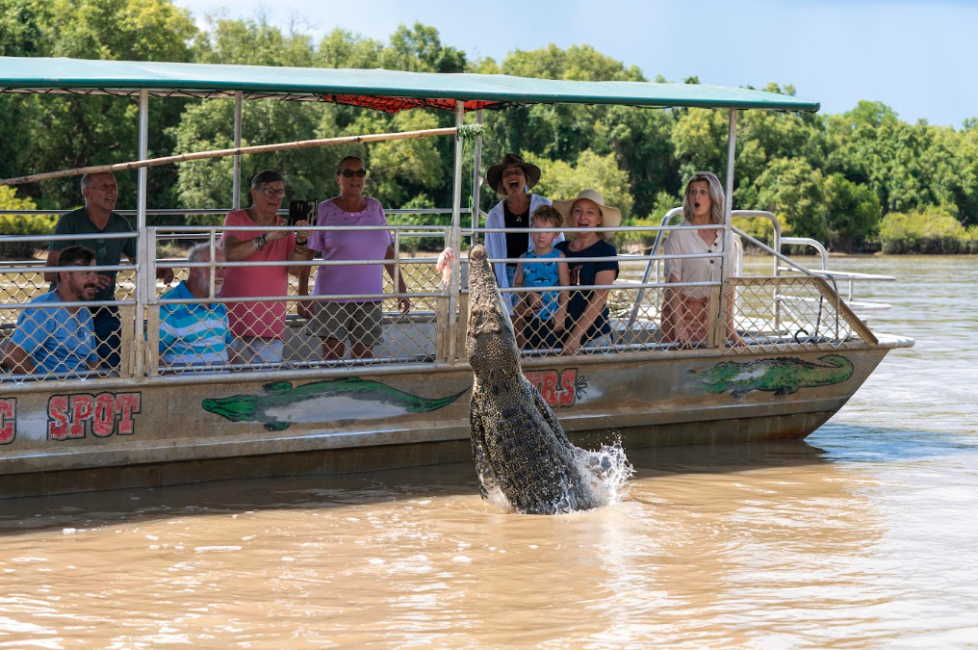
610, 217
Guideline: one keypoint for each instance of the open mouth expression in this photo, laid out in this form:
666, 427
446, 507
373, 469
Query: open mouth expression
513, 179
699, 198
586, 214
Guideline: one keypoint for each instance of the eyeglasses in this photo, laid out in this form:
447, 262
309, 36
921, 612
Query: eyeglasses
270, 193
350, 173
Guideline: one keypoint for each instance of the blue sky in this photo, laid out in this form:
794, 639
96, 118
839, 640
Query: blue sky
917, 57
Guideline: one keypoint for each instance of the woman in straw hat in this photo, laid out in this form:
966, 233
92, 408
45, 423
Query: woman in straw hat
512, 179
686, 310
587, 310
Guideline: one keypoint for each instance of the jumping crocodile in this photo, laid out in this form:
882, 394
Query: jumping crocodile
781, 375
518, 446
279, 405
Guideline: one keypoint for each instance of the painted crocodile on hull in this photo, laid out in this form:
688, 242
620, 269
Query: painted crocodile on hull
781, 375
518, 446
279, 405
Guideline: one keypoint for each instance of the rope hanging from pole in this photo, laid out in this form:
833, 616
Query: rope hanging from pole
463, 132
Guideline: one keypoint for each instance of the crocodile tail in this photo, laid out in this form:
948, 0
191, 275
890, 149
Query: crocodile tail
840, 362
423, 405
836, 360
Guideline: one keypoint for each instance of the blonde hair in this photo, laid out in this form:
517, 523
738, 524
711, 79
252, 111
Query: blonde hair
600, 211
717, 200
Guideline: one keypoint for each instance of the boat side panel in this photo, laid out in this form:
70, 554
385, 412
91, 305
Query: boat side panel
673, 399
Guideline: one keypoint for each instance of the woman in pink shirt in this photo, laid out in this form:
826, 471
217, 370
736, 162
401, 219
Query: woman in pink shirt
334, 320
259, 327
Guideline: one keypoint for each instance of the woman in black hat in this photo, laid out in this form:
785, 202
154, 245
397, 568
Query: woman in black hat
512, 179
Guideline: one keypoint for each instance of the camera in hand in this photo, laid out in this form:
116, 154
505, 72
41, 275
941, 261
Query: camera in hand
299, 210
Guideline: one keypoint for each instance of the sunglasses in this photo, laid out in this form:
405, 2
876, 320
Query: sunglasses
270, 193
350, 173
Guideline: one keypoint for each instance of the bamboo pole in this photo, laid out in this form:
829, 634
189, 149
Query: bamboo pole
221, 153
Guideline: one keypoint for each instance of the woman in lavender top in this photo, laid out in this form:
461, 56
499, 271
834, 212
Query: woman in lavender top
359, 320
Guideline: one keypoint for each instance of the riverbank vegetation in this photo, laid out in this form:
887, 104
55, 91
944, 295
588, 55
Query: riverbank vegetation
860, 181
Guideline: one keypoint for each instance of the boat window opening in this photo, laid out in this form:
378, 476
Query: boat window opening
777, 306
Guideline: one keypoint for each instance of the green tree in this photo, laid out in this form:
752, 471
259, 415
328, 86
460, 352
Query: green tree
853, 212
419, 49
699, 140
11, 224
832, 176
560, 180
20, 30
63, 132
209, 124
252, 42
643, 146
557, 131
931, 230
790, 189
404, 168
344, 49
399, 170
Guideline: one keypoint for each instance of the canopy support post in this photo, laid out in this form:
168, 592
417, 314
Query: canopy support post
236, 198
145, 249
720, 324
476, 178
455, 240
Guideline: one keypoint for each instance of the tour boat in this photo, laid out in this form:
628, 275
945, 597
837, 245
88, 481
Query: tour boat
806, 352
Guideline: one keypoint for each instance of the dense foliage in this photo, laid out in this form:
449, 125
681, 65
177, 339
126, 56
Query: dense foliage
857, 180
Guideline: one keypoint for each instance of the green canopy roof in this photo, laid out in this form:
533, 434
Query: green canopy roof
384, 89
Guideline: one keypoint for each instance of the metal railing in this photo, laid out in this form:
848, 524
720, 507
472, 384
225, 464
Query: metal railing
849, 278
778, 312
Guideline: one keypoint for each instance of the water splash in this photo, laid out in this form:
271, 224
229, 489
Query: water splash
606, 472
496, 497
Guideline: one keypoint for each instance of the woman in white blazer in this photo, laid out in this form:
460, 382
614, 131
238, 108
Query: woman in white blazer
512, 179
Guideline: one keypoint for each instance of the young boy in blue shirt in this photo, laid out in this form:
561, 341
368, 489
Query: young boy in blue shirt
539, 317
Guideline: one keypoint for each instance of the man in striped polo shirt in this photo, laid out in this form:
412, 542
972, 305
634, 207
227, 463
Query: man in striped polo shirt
195, 334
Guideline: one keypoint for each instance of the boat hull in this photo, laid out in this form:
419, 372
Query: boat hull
58, 438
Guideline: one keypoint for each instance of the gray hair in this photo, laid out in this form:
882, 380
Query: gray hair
265, 177
197, 253
86, 179
346, 159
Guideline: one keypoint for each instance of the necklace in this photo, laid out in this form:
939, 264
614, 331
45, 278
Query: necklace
520, 217
253, 217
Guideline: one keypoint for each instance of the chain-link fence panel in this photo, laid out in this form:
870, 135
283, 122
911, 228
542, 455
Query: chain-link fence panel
631, 319
44, 335
19, 286
302, 331
796, 313
771, 314
52, 339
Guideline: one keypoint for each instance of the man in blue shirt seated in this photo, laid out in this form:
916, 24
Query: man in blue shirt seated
196, 334
58, 341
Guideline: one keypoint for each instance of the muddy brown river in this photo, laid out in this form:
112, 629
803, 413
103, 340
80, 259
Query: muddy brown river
863, 536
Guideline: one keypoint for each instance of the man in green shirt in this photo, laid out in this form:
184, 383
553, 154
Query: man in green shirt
97, 218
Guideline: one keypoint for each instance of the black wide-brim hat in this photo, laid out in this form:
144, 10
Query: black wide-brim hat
495, 173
